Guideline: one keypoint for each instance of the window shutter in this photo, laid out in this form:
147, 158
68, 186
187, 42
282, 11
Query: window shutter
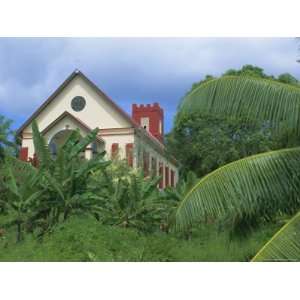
34, 161
167, 176
23, 155
53, 149
161, 173
114, 150
153, 166
129, 154
146, 159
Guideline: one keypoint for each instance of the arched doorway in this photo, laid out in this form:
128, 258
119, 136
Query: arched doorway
58, 140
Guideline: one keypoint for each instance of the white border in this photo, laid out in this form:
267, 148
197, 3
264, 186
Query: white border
210, 18
148, 281
171, 18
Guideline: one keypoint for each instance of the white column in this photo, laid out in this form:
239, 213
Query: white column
89, 152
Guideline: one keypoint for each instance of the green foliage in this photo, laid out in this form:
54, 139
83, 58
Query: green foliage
202, 143
182, 188
249, 98
174, 196
67, 184
248, 70
215, 125
36, 199
128, 198
206, 79
66, 177
284, 245
251, 71
259, 185
22, 197
84, 239
5, 135
288, 78
242, 113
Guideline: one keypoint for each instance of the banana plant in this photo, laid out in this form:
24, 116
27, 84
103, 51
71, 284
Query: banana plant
263, 184
66, 177
129, 199
22, 198
173, 196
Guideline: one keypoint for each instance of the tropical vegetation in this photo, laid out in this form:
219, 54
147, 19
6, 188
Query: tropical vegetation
261, 186
237, 199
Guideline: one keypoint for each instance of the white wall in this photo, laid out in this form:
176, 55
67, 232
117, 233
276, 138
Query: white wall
97, 112
140, 142
122, 140
66, 123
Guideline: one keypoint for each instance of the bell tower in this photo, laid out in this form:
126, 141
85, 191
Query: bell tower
151, 118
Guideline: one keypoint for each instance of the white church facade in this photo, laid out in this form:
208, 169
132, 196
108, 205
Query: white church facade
79, 104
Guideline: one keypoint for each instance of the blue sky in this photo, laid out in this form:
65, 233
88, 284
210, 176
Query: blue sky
129, 70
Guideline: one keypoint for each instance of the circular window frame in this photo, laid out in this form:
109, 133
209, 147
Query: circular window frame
78, 103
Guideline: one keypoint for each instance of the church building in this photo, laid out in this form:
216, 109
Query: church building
79, 104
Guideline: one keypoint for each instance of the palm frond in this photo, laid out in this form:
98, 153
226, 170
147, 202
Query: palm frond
243, 187
248, 97
284, 245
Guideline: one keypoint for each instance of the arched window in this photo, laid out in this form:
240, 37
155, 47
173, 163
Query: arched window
53, 149
94, 148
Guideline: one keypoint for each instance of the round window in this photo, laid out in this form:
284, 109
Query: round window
78, 103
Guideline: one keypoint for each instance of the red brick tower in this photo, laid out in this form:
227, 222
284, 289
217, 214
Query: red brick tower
150, 117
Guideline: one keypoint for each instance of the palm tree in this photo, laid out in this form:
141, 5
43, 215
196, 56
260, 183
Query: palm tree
260, 185
284, 245
5, 132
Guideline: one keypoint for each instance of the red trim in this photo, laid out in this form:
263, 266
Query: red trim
161, 173
34, 161
23, 155
155, 114
114, 150
153, 166
167, 176
129, 154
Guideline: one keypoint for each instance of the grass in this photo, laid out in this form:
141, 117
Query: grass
85, 239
